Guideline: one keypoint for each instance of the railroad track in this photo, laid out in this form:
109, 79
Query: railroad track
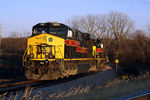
17, 86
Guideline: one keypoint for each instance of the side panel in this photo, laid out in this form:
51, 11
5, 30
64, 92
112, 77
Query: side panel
58, 45
94, 51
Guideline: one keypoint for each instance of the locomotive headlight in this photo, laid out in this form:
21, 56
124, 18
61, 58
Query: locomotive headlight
69, 34
102, 45
31, 55
41, 62
51, 55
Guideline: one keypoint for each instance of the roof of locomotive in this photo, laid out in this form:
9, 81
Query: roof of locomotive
56, 24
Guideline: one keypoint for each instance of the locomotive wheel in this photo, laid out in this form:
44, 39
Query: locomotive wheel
99, 65
41, 71
28, 73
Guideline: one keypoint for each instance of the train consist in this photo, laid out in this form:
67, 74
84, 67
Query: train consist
55, 50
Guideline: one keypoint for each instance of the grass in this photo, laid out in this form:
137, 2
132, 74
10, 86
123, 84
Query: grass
17, 95
115, 88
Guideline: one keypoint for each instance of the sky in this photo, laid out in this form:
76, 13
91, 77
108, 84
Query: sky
20, 15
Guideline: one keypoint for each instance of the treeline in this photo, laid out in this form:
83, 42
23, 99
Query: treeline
121, 39
14, 45
132, 51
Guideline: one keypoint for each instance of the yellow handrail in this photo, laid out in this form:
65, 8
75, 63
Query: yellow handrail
59, 50
23, 60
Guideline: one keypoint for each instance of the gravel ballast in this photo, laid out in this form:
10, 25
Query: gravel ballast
77, 86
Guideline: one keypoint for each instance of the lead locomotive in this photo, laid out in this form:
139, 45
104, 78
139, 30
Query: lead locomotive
55, 50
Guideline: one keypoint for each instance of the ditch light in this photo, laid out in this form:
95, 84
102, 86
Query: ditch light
31, 55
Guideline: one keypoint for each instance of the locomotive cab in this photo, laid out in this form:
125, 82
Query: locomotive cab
53, 28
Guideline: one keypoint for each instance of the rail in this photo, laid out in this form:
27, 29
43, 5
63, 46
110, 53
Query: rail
18, 85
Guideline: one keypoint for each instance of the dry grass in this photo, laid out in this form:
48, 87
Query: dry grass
70, 92
27, 92
115, 88
17, 95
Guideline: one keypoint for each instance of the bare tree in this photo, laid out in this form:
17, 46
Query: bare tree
83, 23
93, 24
120, 26
74, 22
88, 24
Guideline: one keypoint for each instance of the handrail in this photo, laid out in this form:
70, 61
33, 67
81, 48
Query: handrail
24, 57
59, 50
56, 53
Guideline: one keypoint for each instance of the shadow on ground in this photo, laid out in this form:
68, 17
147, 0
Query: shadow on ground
11, 68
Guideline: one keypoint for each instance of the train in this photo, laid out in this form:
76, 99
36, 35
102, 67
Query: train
55, 50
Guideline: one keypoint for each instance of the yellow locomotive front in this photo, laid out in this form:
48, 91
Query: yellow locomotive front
45, 47
55, 50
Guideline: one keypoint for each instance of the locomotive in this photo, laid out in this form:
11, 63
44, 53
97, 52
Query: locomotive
55, 50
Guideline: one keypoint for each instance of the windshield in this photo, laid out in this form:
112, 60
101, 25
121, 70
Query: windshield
39, 30
58, 31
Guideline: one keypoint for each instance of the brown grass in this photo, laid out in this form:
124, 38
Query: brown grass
27, 92
111, 89
115, 88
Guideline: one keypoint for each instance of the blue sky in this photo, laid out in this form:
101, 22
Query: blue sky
21, 15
